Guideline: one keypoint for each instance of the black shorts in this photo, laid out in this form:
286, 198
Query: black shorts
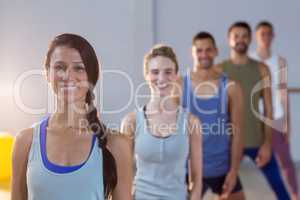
216, 184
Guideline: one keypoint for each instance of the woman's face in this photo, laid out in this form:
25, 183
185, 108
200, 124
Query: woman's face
67, 75
161, 75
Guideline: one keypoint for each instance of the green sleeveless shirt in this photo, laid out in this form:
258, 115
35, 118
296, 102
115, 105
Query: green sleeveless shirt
248, 76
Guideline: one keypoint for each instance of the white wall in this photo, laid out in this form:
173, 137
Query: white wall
177, 21
28, 26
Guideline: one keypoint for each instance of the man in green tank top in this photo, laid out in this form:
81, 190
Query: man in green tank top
255, 80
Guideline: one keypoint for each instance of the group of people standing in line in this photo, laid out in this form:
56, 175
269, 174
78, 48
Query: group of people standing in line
190, 137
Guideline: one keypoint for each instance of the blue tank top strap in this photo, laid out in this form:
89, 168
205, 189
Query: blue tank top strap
34, 149
182, 121
186, 91
139, 115
223, 97
139, 122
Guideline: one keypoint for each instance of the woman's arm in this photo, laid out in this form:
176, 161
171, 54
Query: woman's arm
121, 146
128, 125
194, 129
21, 150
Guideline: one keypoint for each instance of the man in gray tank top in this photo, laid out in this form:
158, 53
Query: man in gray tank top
255, 80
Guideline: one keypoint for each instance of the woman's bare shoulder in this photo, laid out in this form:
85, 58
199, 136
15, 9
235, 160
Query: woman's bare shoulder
24, 138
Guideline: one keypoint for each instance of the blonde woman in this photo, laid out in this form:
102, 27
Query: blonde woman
165, 136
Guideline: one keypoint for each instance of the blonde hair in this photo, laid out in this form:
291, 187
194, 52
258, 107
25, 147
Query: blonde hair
160, 50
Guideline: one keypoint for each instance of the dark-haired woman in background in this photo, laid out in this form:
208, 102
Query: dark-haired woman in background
58, 158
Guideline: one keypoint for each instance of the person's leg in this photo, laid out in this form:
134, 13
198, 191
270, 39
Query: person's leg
216, 185
282, 151
272, 174
237, 192
205, 187
251, 153
237, 196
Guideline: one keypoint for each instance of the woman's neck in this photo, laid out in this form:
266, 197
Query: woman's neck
70, 115
163, 104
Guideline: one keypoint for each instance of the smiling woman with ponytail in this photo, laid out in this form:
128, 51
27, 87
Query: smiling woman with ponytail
59, 157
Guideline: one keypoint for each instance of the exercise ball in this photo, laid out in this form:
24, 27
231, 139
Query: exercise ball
6, 142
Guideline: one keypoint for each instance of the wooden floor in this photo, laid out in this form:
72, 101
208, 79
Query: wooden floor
254, 185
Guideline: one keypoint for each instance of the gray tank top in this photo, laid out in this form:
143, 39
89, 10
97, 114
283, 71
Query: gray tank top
248, 75
161, 161
81, 184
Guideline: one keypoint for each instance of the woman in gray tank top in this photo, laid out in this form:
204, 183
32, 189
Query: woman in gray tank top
70, 154
165, 137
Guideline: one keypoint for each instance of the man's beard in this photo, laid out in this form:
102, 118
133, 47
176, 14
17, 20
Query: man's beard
206, 64
241, 48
